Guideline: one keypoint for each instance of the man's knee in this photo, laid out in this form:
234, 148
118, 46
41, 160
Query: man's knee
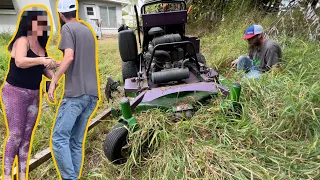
60, 137
242, 58
61, 133
244, 63
76, 143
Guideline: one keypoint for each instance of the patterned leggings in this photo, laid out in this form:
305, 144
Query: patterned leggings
21, 108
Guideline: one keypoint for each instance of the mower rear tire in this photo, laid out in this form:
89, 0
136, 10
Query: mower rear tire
128, 45
129, 70
116, 139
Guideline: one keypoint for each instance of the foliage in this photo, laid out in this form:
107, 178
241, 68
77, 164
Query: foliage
215, 10
124, 13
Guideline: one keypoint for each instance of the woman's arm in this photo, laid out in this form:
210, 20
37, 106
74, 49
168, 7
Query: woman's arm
25, 62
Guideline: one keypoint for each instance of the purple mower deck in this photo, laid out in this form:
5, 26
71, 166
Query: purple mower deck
192, 84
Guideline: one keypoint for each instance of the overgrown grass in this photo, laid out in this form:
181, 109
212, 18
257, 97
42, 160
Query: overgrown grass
277, 137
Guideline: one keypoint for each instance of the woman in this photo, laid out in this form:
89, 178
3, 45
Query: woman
20, 93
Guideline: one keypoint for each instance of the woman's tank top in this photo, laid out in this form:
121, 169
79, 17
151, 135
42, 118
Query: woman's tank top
29, 78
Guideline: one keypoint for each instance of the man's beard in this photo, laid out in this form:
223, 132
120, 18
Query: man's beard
257, 43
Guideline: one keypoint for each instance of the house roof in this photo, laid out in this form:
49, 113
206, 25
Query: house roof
120, 1
6, 4
114, 1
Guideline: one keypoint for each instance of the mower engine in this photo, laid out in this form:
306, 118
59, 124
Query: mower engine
166, 66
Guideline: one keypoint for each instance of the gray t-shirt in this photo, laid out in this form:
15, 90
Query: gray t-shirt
267, 55
81, 76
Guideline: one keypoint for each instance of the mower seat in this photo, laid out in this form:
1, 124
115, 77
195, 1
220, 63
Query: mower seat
168, 38
155, 31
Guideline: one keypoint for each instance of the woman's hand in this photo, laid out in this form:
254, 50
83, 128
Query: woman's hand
58, 64
48, 62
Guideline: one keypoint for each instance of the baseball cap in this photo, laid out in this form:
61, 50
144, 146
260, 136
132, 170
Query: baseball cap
67, 5
252, 31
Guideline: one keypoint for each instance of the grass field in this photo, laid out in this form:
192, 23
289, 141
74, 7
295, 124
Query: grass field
277, 137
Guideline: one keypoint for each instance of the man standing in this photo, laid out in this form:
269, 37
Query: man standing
81, 93
264, 54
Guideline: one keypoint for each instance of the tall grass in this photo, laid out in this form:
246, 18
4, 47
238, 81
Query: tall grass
4, 39
277, 138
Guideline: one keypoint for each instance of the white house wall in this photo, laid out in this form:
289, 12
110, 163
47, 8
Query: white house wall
8, 23
96, 4
50, 4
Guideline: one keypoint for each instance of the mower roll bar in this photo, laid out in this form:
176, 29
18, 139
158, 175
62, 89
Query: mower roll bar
143, 8
164, 46
138, 24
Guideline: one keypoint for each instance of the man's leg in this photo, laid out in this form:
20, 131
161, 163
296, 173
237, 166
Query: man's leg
244, 63
69, 110
253, 74
78, 131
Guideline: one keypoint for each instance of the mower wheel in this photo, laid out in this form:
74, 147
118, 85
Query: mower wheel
129, 70
116, 139
201, 58
127, 45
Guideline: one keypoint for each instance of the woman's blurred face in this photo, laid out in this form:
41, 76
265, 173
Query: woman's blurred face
40, 25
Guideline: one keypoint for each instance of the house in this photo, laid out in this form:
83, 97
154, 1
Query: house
106, 13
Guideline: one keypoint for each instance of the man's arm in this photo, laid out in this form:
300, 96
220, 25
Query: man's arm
272, 58
64, 65
48, 73
67, 44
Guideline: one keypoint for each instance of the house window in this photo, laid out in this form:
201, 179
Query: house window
90, 11
108, 16
6, 4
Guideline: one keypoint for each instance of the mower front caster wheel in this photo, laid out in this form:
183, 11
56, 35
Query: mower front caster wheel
115, 142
